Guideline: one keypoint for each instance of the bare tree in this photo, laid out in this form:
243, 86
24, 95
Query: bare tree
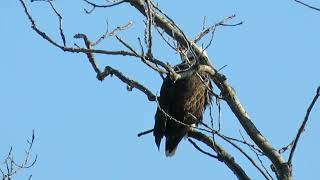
12, 166
174, 37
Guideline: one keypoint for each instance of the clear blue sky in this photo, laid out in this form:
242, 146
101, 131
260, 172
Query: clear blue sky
86, 129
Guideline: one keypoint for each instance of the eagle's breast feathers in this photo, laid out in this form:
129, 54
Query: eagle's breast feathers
184, 101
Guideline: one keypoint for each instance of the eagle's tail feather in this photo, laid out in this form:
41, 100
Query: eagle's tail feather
172, 144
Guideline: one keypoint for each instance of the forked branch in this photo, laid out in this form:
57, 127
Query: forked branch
12, 167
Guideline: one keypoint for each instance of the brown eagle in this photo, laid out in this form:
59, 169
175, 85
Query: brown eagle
183, 100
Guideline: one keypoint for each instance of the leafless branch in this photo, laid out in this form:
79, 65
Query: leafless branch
12, 167
145, 132
262, 164
218, 100
148, 34
69, 49
201, 150
229, 140
211, 120
213, 27
108, 70
285, 148
89, 55
210, 41
41, 0
111, 71
152, 63
134, 84
303, 125
307, 5
167, 41
251, 146
60, 23
223, 155
258, 154
113, 32
94, 5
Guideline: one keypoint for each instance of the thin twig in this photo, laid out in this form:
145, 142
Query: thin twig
229, 140
145, 132
218, 101
113, 32
134, 84
146, 60
262, 164
285, 148
248, 157
165, 40
307, 5
94, 5
210, 41
201, 150
12, 167
211, 120
258, 154
223, 155
303, 125
60, 23
70, 49
251, 146
213, 27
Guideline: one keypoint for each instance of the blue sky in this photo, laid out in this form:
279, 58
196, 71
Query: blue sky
86, 129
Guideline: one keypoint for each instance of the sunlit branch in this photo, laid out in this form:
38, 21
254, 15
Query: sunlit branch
113, 32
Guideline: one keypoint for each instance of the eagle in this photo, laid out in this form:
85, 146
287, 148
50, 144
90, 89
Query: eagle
181, 105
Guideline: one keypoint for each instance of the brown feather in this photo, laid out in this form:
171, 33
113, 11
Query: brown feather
184, 100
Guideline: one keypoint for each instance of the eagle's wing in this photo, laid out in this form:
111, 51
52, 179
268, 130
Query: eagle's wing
161, 115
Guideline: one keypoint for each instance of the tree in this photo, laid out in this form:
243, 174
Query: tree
157, 20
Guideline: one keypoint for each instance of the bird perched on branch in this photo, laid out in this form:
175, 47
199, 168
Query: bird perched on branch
181, 105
